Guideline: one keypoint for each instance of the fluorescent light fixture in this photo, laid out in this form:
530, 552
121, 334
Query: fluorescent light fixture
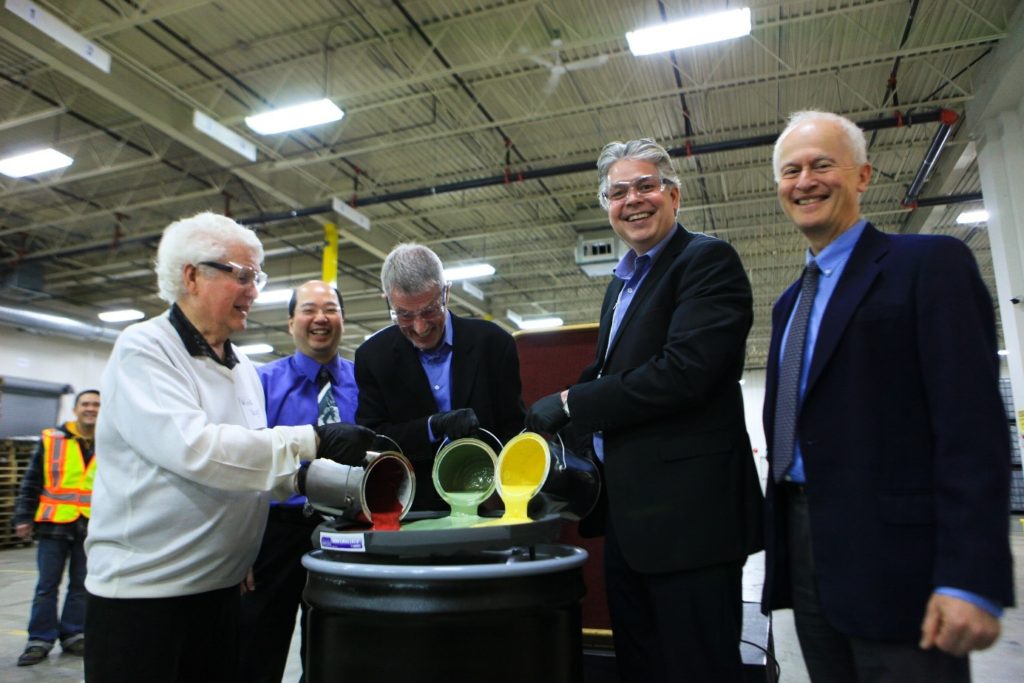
30, 163
255, 349
122, 316
979, 216
273, 296
533, 323
468, 272
710, 28
296, 116
541, 323
1003, 352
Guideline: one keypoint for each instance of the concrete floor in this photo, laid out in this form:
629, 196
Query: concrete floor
1003, 663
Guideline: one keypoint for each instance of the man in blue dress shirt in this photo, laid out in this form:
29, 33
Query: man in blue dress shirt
312, 386
888, 492
681, 506
434, 375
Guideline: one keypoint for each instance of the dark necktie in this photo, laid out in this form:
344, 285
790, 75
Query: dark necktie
787, 398
327, 410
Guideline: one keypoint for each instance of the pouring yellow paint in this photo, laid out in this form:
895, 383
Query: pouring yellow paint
522, 469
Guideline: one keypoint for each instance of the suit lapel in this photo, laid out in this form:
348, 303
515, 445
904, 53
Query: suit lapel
860, 271
465, 359
667, 257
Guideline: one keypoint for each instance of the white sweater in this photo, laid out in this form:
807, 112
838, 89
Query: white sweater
185, 469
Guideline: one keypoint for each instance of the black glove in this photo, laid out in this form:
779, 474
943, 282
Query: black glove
455, 424
547, 415
300, 478
344, 443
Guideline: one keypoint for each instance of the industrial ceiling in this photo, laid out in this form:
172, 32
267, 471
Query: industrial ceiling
471, 126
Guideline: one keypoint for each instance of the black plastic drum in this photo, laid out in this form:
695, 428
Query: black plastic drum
498, 616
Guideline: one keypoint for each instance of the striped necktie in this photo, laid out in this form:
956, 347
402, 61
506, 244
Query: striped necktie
787, 398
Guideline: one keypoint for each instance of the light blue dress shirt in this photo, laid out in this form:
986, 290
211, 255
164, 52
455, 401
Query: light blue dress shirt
633, 270
437, 363
832, 260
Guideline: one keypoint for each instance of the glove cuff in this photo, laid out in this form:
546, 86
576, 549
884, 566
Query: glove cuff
300, 478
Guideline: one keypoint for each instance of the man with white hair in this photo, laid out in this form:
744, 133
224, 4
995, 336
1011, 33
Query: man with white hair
888, 493
188, 466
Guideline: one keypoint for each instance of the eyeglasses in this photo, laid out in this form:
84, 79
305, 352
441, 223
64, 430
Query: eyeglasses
426, 313
644, 185
245, 275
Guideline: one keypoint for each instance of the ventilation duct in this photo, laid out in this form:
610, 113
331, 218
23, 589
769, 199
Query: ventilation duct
57, 325
23, 283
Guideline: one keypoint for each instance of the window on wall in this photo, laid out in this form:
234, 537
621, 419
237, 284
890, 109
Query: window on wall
28, 406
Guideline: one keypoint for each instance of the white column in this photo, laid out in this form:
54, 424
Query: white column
995, 118
1001, 166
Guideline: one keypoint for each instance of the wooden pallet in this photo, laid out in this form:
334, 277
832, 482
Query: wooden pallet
14, 457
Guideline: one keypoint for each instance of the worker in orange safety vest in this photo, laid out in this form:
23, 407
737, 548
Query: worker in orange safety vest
54, 501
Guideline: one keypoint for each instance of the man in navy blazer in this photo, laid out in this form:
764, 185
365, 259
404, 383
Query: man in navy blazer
888, 491
433, 375
683, 505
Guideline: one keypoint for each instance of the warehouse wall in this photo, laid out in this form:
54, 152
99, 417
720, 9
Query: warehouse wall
53, 359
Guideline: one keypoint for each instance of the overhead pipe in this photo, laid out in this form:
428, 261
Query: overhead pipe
899, 121
947, 200
947, 117
55, 324
565, 169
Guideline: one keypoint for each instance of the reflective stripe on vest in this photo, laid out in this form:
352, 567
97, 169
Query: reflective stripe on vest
67, 482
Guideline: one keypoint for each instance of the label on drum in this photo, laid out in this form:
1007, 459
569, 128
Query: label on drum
346, 543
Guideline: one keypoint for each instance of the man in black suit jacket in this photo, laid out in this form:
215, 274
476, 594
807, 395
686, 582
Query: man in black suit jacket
888, 496
433, 375
683, 504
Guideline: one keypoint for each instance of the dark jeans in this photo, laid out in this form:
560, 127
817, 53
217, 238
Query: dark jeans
43, 627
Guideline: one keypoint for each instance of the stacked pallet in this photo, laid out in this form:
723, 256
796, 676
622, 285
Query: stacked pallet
14, 457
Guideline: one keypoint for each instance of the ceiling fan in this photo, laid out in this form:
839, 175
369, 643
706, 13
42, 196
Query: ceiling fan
558, 68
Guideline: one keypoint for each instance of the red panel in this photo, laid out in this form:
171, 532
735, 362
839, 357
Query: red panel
550, 361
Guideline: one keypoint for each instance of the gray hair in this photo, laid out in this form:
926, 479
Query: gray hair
855, 139
204, 237
644, 149
411, 269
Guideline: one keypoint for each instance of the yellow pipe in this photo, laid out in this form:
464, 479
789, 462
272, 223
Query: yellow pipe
330, 257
